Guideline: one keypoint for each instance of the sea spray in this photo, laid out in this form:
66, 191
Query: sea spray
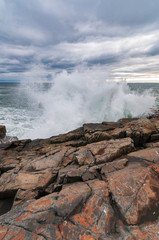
70, 101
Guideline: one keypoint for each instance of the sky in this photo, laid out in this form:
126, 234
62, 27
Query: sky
112, 39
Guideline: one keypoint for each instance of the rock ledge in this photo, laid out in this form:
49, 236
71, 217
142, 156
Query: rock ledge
100, 181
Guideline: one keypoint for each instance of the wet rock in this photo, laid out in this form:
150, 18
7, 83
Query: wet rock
8, 139
2, 131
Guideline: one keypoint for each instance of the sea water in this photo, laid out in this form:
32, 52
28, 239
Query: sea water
41, 110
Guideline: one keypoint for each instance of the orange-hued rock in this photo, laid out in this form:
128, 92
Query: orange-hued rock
135, 191
36, 216
107, 151
8, 164
18, 233
151, 144
84, 157
100, 181
113, 166
141, 233
25, 195
104, 151
97, 214
11, 182
149, 154
70, 231
45, 162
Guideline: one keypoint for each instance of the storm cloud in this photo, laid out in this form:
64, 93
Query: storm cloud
40, 38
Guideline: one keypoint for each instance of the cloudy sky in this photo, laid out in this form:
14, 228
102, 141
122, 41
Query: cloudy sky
116, 39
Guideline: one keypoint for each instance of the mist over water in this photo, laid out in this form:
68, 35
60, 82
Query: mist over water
42, 110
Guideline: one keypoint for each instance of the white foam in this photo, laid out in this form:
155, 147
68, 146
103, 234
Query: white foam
75, 98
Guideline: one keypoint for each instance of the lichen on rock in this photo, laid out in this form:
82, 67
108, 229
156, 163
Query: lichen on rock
100, 181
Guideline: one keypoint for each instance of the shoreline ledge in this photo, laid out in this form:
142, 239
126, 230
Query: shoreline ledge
100, 181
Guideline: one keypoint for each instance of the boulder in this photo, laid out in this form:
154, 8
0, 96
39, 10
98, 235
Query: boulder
2, 131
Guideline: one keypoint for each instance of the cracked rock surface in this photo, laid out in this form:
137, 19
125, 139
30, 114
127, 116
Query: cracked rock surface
100, 181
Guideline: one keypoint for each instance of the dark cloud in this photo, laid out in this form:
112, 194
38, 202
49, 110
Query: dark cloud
153, 51
63, 34
129, 13
103, 60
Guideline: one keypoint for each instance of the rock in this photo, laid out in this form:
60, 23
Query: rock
71, 173
155, 121
97, 215
151, 155
107, 151
154, 137
113, 166
90, 183
25, 195
97, 136
95, 132
2, 131
97, 127
84, 157
8, 139
151, 145
68, 137
42, 216
71, 197
8, 164
11, 182
45, 162
135, 192
6, 205
140, 131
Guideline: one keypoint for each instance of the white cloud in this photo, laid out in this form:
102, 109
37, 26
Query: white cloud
12, 50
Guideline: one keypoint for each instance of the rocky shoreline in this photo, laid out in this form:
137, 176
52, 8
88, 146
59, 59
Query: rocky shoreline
100, 181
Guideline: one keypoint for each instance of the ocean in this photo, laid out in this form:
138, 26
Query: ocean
41, 110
